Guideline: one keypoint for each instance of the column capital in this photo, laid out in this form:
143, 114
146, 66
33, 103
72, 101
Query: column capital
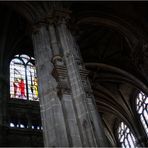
57, 16
50, 20
38, 25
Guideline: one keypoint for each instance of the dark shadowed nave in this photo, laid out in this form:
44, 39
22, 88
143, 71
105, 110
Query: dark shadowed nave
73, 74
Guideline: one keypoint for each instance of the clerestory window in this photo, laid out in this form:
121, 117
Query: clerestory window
125, 136
142, 109
23, 78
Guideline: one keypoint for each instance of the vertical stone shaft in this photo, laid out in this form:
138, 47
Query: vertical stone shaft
54, 130
54, 43
90, 100
96, 119
89, 120
79, 96
66, 98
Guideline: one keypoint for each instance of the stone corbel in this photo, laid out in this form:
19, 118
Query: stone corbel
58, 60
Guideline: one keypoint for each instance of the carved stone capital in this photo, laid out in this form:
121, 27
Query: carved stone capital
55, 16
50, 20
38, 25
58, 16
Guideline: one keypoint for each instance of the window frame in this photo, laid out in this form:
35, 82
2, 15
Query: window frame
139, 114
30, 60
118, 123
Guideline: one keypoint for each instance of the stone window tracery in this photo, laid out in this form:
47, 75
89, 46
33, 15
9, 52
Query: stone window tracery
23, 79
125, 136
142, 109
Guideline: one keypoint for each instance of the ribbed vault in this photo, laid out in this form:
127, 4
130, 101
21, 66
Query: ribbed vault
114, 90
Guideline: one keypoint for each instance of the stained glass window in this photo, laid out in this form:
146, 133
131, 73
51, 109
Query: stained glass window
142, 109
125, 136
23, 78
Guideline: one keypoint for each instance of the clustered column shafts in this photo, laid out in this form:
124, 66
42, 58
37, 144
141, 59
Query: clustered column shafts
90, 125
54, 129
60, 73
77, 89
54, 43
69, 116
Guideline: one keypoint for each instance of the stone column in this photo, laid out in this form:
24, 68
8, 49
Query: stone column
89, 122
54, 130
53, 39
64, 91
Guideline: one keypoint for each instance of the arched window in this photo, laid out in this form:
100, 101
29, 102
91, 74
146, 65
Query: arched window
125, 136
142, 109
23, 79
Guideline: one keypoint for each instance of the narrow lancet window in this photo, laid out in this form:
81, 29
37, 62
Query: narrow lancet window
125, 136
142, 109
